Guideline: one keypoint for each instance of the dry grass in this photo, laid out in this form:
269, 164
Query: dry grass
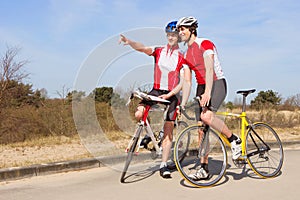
51, 149
42, 150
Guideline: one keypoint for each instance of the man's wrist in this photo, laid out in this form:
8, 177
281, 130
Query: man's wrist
182, 107
170, 94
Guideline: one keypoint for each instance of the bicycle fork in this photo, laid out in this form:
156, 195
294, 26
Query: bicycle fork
137, 134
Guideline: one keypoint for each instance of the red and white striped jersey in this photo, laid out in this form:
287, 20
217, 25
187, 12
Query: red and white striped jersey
168, 63
194, 57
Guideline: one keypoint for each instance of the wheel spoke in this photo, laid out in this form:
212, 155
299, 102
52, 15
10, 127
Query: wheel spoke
210, 147
264, 150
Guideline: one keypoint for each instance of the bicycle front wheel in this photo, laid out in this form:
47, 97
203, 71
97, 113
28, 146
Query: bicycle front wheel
131, 152
264, 150
195, 147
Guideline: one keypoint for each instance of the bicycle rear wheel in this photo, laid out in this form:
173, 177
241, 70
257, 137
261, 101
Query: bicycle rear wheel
264, 150
188, 144
131, 152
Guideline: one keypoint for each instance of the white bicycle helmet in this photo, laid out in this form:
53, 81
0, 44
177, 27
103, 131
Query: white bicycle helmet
187, 21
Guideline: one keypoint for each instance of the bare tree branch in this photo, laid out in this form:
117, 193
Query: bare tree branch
10, 69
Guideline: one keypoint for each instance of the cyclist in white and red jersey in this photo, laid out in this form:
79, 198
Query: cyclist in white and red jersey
168, 63
202, 58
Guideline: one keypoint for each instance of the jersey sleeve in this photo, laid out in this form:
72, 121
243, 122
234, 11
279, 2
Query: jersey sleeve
208, 48
154, 51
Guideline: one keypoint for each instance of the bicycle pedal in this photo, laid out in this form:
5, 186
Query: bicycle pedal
240, 162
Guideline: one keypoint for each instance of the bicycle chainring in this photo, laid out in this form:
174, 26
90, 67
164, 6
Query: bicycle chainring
239, 163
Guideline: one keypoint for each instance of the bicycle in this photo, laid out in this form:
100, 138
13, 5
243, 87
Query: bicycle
152, 149
261, 149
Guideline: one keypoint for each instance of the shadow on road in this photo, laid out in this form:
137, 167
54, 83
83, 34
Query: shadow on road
141, 175
233, 172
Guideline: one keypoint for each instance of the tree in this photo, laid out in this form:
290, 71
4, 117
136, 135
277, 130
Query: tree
266, 99
107, 95
75, 96
11, 72
103, 94
18, 94
229, 105
292, 102
117, 101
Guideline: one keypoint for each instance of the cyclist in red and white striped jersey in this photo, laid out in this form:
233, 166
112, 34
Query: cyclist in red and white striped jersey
167, 71
202, 58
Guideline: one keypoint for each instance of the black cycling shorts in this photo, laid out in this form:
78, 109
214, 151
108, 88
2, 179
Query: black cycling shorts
172, 113
218, 94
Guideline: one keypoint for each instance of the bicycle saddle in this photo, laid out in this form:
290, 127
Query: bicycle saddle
246, 92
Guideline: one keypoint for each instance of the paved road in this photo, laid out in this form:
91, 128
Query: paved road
103, 184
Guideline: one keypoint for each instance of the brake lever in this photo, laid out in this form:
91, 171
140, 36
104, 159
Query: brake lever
129, 99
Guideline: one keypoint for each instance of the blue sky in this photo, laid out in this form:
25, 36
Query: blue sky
258, 41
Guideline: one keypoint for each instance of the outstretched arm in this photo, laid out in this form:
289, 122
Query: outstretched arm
135, 45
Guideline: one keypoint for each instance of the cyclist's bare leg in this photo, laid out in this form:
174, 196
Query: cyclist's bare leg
139, 112
167, 140
209, 117
204, 159
202, 172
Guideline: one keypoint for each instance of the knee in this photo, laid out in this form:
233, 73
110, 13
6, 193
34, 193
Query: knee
206, 118
139, 112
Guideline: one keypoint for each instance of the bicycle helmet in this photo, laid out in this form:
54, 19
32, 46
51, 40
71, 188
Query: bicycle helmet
188, 22
171, 27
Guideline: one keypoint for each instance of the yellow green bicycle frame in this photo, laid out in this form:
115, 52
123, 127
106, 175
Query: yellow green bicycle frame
243, 129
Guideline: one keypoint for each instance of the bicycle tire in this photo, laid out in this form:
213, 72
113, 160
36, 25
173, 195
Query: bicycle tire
264, 150
181, 125
215, 149
131, 152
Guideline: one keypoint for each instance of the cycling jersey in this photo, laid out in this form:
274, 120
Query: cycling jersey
168, 63
195, 54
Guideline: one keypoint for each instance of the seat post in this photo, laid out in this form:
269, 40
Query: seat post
245, 94
244, 103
